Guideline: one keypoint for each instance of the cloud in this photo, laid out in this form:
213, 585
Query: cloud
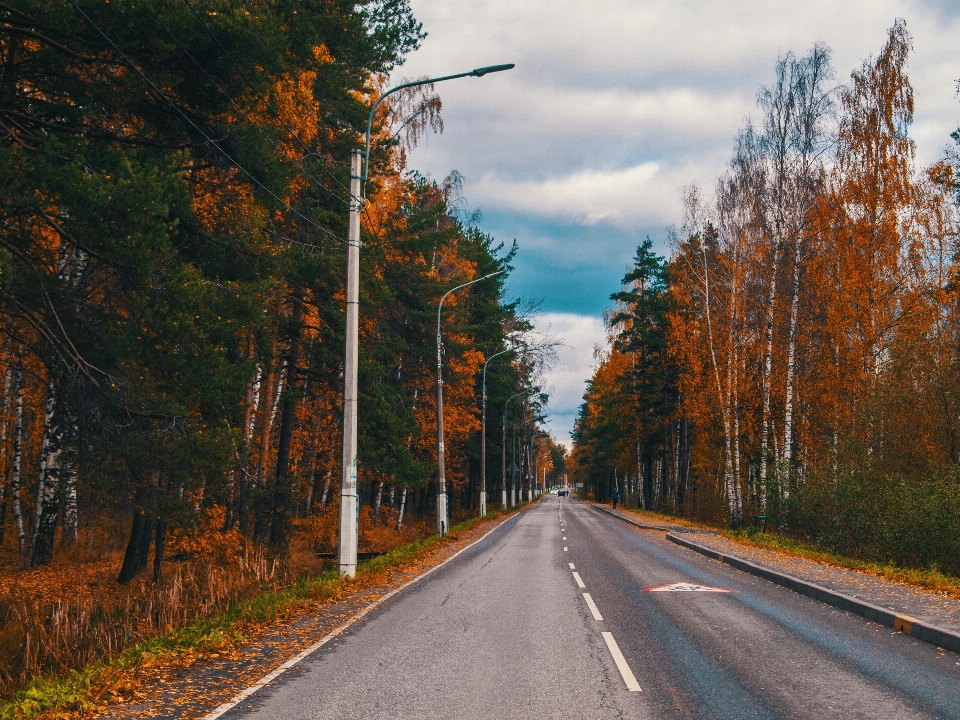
580, 334
620, 198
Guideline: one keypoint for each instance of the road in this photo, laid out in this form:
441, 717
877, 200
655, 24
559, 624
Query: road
506, 631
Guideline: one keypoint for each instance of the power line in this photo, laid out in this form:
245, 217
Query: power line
200, 130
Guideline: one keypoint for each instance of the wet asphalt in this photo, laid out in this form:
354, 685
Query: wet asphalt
504, 631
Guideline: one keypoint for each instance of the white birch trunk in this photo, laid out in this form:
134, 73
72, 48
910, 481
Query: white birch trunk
17, 459
784, 470
767, 371
326, 490
51, 451
403, 505
376, 504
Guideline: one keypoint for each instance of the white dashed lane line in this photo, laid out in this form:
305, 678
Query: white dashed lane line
571, 566
625, 671
593, 607
576, 576
565, 550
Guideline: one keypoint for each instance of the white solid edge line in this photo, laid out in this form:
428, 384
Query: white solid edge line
593, 607
625, 672
576, 576
270, 677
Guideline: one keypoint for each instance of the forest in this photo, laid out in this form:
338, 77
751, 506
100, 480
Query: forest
174, 178
795, 359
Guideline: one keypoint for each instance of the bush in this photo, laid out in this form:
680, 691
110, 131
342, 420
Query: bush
882, 517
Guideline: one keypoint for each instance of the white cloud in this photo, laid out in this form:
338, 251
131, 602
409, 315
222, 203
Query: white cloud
580, 334
641, 194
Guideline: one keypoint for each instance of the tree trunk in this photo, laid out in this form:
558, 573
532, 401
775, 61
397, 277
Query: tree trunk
783, 474
4, 422
326, 489
69, 504
260, 501
283, 487
767, 370
158, 550
403, 505
45, 519
18, 459
377, 501
138, 546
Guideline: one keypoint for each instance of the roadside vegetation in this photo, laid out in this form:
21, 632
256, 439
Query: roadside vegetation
796, 355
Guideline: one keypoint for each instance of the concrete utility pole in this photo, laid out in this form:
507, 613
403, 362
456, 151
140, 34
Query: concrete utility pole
443, 516
349, 505
483, 437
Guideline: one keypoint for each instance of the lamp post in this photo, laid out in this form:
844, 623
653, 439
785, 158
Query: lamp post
360, 170
503, 487
441, 460
483, 437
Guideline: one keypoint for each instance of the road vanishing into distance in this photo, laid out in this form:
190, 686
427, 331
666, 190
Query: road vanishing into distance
551, 616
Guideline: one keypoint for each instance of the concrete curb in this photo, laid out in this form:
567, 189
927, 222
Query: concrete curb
640, 525
917, 629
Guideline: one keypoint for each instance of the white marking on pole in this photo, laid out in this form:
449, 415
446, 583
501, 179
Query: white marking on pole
571, 566
593, 607
576, 576
625, 672
270, 677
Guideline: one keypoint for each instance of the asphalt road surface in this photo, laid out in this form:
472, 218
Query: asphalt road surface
551, 616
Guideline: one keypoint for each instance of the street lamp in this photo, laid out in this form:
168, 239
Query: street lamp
503, 487
441, 461
483, 437
360, 170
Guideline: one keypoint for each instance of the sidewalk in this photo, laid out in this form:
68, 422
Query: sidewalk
934, 610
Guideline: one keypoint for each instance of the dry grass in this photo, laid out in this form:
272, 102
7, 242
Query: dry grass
73, 613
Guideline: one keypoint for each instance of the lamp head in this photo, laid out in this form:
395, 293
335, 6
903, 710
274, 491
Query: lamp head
480, 72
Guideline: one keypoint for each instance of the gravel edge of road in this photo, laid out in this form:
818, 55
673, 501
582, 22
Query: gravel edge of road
917, 629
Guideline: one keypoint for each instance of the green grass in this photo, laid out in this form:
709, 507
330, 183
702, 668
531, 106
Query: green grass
89, 688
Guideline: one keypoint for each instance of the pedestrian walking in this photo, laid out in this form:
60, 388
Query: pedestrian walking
616, 496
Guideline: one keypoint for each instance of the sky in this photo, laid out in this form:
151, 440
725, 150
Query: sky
614, 106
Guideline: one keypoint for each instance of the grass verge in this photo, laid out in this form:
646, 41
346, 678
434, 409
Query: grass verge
87, 690
926, 579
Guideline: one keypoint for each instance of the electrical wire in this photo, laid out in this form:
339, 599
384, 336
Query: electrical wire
200, 130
